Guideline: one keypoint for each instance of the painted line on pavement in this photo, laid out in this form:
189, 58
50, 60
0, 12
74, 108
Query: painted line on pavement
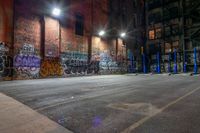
142, 121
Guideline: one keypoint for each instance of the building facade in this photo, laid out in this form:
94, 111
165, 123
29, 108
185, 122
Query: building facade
36, 44
172, 32
128, 16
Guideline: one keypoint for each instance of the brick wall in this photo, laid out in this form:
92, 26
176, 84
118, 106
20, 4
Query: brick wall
46, 46
6, 15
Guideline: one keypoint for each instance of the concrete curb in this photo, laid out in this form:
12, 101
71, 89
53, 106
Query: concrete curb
16, 117
163, 74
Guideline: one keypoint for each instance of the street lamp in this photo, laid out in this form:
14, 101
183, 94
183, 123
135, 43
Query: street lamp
123, 34
56, 11
102, 32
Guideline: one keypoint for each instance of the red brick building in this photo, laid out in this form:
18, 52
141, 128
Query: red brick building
37, 44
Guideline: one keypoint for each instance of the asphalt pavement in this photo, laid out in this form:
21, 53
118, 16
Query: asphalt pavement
114, 103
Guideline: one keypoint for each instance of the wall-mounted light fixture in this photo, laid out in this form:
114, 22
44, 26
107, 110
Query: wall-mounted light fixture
102, 33
56, 11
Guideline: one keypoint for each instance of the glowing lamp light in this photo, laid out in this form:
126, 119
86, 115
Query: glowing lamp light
101, 33
56, 12
123, 34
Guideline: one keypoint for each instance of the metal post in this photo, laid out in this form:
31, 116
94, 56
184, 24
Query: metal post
132, 63
144, 63
131, 57
175, 62
158, 63
195, 61
169, 63
184, 63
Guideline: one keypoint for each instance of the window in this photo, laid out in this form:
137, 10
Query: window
175, 29
175, 45
158, 16
155, 17
151, 18
151, 34
158, 33
134, 3
153, 4
168, 47
167, 31
79, 25
166, 14
174, 12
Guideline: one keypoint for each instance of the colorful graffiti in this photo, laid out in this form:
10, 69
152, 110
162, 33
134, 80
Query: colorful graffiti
76, 63
5, 61
30, 61
108, 63
51, 68
27, 62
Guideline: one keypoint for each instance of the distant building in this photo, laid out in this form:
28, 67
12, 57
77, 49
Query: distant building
128, 16
172, 25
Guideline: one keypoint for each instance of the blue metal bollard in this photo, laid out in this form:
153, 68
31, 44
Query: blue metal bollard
195, 61
158, 63
175, 62
184, 64
144, 64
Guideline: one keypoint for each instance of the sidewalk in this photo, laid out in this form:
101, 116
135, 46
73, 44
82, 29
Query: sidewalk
18, 118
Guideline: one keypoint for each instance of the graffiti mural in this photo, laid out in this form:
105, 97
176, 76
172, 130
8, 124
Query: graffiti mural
111, 64
108, 63
51, 68
27, 62
5, 61
76, 63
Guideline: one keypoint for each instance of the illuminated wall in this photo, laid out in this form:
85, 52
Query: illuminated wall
27, 42
6, 15
46, 46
